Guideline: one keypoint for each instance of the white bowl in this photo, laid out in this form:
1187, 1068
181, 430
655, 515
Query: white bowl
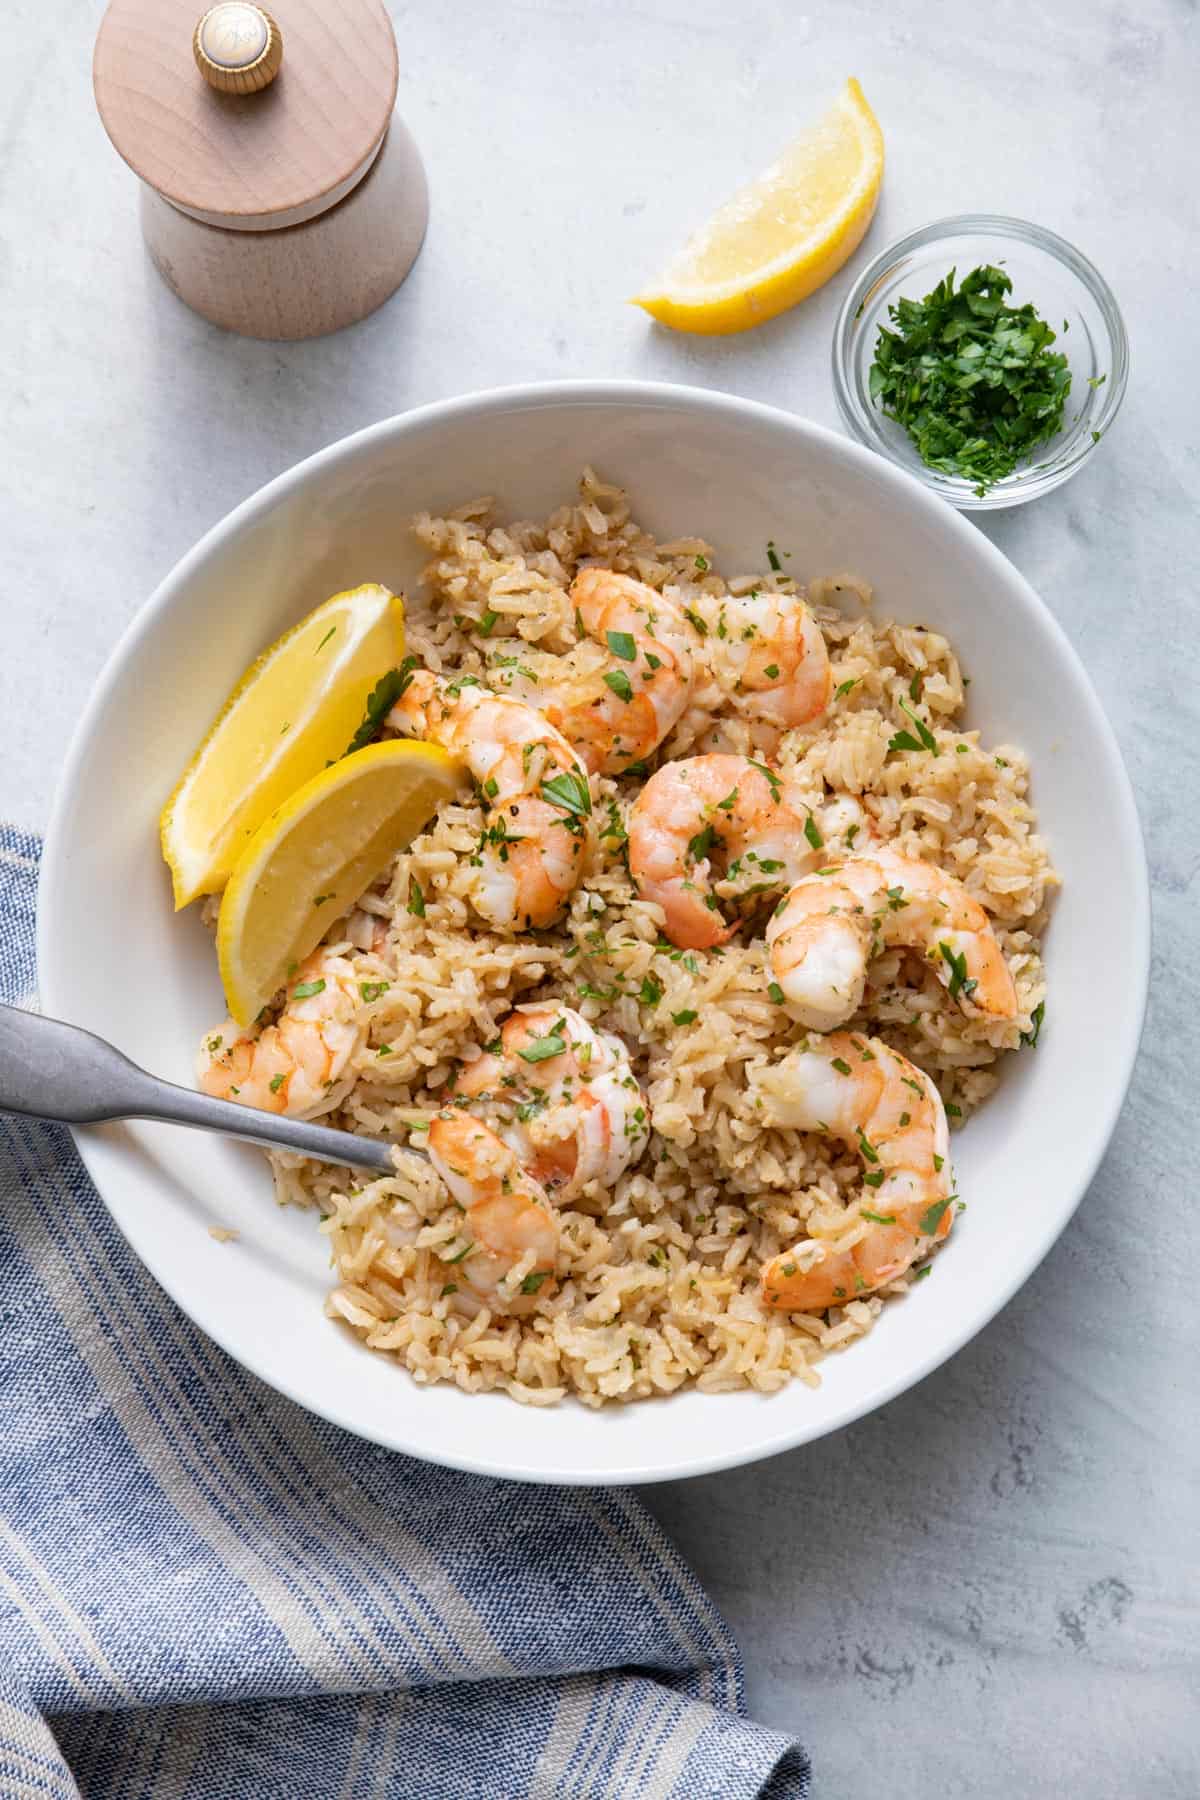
114, 959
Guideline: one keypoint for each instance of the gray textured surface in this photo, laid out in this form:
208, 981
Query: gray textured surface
991, 1588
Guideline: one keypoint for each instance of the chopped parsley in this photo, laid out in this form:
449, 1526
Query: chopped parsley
277, 1080
325, 640
924, 740
702, 564
775, 992
542, 1049
416, 898
877, 1218
972, 380
772, 671
773, 557
371, 990
569, 790
487, 623
619, 682
840, 692
621, 644
686, 1017
1031, 1036
380, 701
699, 846
695, 621
651, 991
534, 1280
812, 833
960, 981
306, 989
931, 1218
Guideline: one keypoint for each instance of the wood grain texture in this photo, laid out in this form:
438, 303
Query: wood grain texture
246, 155
308, 279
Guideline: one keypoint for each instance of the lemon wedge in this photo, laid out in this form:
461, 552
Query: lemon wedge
782, 237
316, 855
293, 711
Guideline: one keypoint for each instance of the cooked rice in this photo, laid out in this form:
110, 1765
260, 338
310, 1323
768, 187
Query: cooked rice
658, 1279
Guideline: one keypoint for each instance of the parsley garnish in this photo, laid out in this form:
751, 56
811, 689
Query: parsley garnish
696, 622
542, 1049
971, 379
487, 623
569, 790
840, 692
841, 1065
812, 834
619, 682
702, 564
277, 1080
924, 740
686, 1017
775, 993
699, 846
371, 990
931, 1218
1031, 1037
307, 989
960, 981
534, 1280
877, 1218
773, 558
380, 701
621, 644
651, 992
416, 898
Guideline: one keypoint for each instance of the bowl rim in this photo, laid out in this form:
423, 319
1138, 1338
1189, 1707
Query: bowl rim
860, 421
612, 393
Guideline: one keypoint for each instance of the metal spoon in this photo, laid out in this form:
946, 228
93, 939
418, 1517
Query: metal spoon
49, 1070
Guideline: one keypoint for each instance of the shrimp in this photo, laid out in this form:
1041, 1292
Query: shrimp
621, 712
508, 1220
579, 1114
859, 1090
774, 648
769, 833
830, 925
294, 1065
536, 793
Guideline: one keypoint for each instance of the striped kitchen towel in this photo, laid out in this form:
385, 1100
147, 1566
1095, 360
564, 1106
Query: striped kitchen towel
208, 1594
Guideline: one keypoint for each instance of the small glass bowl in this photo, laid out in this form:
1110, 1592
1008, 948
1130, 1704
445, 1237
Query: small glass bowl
1067, 292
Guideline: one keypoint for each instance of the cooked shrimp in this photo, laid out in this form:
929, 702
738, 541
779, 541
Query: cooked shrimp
293, 1065
832, 923
578, 1112
768, 833
537, 795
620, 712
774, 648
508, 1221
857, 1089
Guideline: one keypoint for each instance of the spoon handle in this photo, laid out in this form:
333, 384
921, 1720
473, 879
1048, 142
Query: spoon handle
49, 1070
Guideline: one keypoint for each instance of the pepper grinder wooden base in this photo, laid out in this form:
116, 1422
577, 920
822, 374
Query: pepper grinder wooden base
302, 280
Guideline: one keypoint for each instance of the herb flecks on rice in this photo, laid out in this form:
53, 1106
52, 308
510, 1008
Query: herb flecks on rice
658, 1280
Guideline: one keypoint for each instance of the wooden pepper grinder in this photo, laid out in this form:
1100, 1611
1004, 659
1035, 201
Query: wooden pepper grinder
281, 197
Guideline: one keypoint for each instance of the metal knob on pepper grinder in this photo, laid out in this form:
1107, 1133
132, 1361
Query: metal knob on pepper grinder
281, 197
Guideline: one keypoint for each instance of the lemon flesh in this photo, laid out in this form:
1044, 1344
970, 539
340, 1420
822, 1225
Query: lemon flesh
316, 855
293, 711
782, 237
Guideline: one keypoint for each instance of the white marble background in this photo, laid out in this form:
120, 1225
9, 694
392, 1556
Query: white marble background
989, 1589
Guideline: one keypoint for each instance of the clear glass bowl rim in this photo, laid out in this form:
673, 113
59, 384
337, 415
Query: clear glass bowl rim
860, 420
